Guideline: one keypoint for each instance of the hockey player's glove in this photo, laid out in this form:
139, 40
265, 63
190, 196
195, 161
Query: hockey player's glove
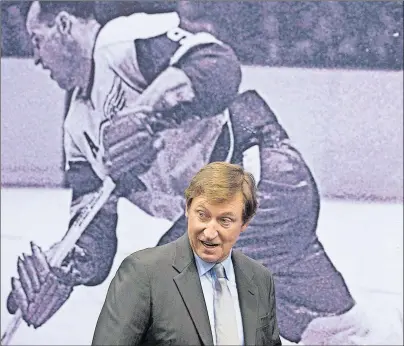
131, 139
40, 289
131, 144
170, 89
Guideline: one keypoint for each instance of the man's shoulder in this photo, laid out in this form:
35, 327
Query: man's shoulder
117, 55
155, 256
251, 265
136, 26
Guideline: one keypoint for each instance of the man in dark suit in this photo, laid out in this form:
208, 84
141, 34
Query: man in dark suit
196, 290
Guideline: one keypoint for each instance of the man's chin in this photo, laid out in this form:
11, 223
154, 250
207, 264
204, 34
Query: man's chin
63, 85
209, 258
209, 255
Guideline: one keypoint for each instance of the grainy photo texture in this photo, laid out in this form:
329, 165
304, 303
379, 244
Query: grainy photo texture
109, 108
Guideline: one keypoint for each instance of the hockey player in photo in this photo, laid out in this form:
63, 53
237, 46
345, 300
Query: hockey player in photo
151, 103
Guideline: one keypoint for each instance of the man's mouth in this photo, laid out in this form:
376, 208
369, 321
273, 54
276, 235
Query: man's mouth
209, 244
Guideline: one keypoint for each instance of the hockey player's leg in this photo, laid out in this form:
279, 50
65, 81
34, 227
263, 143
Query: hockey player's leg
282, 236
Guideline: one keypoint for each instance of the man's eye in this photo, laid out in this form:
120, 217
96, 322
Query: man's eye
201, 214
226, 221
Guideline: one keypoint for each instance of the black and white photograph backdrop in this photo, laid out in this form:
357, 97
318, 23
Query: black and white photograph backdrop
316, 115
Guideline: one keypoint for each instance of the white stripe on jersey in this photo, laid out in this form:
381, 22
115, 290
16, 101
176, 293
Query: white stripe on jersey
115, 100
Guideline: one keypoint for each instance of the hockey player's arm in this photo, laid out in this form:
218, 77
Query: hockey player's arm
41, 289
202, 82
215, 74
125, 315
96, 248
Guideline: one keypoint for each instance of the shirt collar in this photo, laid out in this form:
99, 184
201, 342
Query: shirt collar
203, 267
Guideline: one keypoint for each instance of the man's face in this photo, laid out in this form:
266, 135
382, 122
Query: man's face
54, 48
213, 229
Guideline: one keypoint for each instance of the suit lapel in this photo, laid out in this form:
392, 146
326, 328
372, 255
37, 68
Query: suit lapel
189, 286
248, 297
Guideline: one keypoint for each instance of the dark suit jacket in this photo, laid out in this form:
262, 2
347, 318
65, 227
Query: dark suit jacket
156, 298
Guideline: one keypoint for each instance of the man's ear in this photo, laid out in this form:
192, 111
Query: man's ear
243, 228
64, 22
187, 204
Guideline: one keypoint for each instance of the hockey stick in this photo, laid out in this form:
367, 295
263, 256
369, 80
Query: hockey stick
83, 219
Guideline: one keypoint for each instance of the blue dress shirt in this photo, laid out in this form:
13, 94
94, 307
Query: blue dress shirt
208, 292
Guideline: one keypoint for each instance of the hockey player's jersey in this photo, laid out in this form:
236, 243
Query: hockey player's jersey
130, 52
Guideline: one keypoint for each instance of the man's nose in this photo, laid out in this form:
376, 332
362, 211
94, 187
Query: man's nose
210, 231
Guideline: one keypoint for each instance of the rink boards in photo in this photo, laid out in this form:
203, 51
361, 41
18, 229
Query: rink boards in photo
364, 240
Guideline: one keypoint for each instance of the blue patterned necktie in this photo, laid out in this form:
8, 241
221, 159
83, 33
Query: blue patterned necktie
225, 314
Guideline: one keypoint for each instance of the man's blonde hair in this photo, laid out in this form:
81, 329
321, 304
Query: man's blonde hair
219, 182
